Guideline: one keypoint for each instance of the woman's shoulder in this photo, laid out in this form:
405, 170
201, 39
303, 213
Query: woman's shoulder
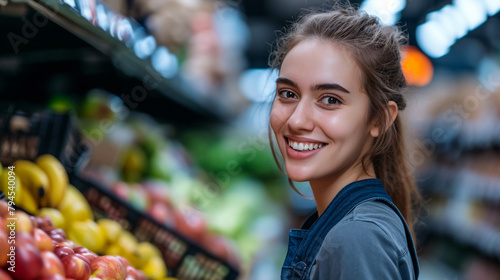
372, 236
371, 224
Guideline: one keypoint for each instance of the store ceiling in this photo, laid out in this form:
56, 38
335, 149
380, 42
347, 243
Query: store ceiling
264, 17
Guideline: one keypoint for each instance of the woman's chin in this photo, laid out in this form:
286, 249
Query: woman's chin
297, 177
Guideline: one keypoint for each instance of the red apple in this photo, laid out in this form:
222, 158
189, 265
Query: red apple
45, 224
28, 260
141, 275
23, 222
57, 231
57, 237
76, 267
4, 275
162, 213
124, 261
158, 191
4, 248
85, 259
67, 243
122, 190
51, 264
135, 274
55, 243
81, 249
3, 226
4, 208
90, 256
181, 224
34, 221
25, 238
52, 277
218, 246
62, 251
108, 268
43, 241
86, 253
196, 222
191, 223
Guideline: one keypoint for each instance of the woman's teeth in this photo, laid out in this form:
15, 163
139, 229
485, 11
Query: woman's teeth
299, 146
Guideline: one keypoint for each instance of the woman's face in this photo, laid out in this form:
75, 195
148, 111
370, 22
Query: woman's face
320, 112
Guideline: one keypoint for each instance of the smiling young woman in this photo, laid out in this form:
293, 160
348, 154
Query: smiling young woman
335, 119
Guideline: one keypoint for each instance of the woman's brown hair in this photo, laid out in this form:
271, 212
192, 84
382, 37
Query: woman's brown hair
376, 49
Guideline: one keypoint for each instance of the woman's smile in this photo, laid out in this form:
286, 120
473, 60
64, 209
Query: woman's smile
302, 148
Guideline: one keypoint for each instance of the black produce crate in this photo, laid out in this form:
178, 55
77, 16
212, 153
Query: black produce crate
184, 259
27, 132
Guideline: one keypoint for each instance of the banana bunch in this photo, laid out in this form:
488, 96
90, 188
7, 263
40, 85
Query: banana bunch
42, 183
58, 180
22, 196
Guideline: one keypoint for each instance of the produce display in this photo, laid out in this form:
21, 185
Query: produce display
64, 239
33, 248
153, 197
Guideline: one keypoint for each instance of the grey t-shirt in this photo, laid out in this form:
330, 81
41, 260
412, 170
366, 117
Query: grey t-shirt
368, 243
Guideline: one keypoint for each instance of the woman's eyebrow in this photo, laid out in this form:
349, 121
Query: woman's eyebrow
332, 86
286, 81
328, 86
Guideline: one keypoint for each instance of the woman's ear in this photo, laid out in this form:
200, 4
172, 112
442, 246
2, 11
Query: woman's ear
392, 114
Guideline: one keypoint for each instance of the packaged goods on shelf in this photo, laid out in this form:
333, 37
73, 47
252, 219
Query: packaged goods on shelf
460, 181
113, 51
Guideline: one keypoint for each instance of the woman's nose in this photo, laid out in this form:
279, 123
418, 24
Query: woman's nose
301, 118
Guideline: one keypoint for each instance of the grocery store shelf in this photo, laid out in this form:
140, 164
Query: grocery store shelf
450, 181
484, 238
466, 214
469, 137
120, 51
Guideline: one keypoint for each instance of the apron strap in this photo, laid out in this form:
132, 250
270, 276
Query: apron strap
343, 203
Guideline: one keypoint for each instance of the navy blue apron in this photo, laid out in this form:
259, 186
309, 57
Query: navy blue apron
304, 244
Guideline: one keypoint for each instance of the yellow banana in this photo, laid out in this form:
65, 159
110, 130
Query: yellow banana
74, 206
4, 182
25, 199
33, 178
155, 268
58, 179
20, 195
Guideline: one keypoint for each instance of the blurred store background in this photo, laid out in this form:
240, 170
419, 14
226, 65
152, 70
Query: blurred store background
165, 106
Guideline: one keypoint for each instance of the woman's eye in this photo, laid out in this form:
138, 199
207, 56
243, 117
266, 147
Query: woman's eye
287, 94
330, 100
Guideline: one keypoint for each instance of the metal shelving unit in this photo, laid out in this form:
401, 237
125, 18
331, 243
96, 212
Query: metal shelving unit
117, 50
